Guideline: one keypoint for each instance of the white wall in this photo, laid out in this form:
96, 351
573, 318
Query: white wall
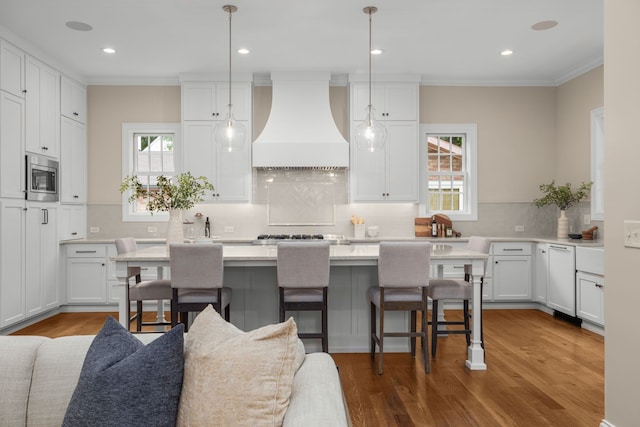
622, 151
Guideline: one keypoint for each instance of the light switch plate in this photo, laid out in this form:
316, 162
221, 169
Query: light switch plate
228, 228
632, 234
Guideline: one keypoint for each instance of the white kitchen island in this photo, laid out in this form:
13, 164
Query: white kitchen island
251, 274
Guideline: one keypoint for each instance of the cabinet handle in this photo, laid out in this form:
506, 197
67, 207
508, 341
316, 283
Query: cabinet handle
562, 248
74, 233
86, 252
512, 250
598, 285
45, 148
75, 114
24, 91
45, 216
75, 196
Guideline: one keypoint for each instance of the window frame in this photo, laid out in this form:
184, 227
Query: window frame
128, 132
470, 130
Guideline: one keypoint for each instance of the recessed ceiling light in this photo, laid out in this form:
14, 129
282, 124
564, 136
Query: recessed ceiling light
544, 25
506, 52
108, 50
376, 51
243, 51
79, 26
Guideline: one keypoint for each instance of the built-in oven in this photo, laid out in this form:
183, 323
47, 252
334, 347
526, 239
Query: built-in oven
42, 179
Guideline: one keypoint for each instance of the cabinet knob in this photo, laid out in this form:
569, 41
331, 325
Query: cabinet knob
75, 114
75, 196
74, 233
24, 91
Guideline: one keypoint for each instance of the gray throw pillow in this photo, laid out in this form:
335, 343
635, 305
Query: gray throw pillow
125, 383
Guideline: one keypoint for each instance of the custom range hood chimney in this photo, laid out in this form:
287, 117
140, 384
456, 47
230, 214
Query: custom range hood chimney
300, 131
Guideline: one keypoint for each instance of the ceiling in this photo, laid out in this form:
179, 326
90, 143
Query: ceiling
444, 41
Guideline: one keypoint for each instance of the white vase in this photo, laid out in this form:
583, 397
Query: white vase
563, 225
175, 233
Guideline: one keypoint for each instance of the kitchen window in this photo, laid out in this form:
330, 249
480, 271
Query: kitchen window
448, 174
148, 150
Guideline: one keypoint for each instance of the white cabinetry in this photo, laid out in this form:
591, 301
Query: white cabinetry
541, 273
73, 167
210, 100
72, 222
41, 274
561, 293
86, 274
12, 160
12, 266
590, 284
511, 271
204, 104
390, 174
11, 69
73, 100
42, 131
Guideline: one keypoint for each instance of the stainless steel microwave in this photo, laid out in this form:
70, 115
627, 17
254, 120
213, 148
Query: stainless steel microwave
42, 179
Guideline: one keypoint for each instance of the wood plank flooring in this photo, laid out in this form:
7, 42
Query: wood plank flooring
542, 371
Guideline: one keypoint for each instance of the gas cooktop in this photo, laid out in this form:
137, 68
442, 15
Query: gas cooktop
272, 239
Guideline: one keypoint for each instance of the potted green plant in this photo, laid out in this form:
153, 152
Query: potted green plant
170, 194
563, 196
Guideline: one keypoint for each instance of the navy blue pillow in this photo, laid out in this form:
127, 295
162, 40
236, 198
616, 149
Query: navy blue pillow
124, 382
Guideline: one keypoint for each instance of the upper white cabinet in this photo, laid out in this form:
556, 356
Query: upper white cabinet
392, 101
209, 100
73, 100
72, 222
42, 108
229, 172
511, 271
12, 159
73, 164
204, 105
390, 174
561, 293
11, 69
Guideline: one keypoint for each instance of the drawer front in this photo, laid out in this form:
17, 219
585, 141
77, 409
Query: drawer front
511, 248
86, 251
590, 260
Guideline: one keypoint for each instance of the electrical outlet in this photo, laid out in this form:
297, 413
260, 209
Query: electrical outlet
152, 229
519, 228
94, 229
228, 228
586, 219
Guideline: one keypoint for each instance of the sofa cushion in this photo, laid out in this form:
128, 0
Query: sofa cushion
237, 378
17, 357
124, 382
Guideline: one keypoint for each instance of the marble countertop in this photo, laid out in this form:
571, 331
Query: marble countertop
368, 240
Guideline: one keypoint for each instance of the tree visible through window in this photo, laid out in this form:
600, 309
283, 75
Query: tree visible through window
150, 150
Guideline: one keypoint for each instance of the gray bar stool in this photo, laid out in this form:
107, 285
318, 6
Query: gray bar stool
197, 273
303, 281
456, 289
403, 278
148, 290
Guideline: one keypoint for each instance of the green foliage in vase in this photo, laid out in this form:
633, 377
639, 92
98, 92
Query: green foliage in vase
182, 191
563, 196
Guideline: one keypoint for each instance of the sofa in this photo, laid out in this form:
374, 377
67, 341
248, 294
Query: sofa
38, 376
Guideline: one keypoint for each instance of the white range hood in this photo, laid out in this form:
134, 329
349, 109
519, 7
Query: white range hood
300, 131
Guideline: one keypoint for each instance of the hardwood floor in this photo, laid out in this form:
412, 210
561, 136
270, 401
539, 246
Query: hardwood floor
542, 371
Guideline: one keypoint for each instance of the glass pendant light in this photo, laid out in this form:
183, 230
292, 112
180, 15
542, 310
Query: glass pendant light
229, 133
370, 134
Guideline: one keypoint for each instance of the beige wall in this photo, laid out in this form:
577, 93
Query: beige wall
622, 151
575, 101
108, 108
516, 134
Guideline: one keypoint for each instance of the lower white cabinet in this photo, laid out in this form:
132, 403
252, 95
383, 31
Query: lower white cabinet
541, 273
511, 279
12, 261
41, 261
86, 273
590, 284
561, 293
590, 289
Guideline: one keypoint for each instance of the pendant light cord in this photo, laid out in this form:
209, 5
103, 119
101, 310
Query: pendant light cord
370, 12
230, 9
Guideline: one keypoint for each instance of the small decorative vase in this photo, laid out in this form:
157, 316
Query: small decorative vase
563, 225
175, 233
